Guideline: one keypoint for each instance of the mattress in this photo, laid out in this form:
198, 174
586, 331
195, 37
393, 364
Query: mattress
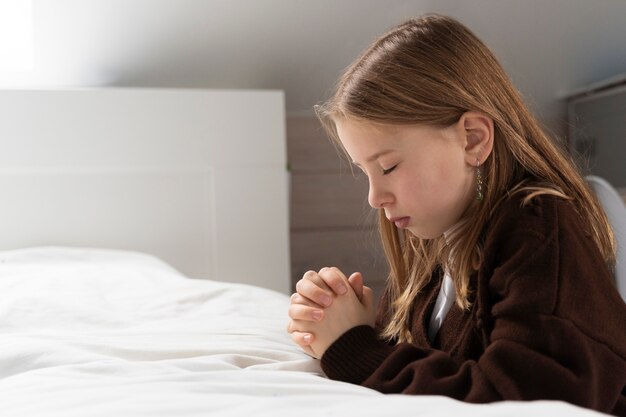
97, 332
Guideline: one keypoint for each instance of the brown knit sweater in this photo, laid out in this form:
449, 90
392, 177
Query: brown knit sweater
546, 322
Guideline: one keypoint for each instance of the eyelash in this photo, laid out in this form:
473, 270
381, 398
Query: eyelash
388, 171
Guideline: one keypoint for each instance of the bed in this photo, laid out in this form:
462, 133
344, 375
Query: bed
144, 264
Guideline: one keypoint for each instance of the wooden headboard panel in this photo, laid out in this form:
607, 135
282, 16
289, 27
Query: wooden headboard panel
195, 177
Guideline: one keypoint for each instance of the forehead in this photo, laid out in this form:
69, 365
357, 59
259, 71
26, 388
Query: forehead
362, 138
365, 127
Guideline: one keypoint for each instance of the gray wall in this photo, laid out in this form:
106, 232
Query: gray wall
598, 133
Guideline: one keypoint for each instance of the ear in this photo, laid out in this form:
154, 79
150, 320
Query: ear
477, 129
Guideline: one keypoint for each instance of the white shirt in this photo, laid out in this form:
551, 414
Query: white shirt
445, 299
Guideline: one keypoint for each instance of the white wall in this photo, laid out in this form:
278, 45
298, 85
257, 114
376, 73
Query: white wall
195, 177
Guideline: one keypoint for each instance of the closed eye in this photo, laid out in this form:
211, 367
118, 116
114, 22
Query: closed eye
388, 171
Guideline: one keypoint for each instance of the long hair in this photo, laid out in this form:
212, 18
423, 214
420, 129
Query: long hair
431, 70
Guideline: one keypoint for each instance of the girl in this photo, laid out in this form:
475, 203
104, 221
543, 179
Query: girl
500, 285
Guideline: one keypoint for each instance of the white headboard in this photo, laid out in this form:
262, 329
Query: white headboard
195, 177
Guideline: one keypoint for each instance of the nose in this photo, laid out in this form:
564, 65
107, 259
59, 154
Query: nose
378, 196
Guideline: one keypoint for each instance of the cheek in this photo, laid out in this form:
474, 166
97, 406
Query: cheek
422, 191
449, 182
450, 166
438, 181
443, 176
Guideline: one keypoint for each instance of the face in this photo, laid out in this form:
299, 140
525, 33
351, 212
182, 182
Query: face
419, 175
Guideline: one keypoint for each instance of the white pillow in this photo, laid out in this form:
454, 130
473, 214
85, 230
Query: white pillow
47, 255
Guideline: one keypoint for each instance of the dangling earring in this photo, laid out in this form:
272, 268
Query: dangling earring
479, 182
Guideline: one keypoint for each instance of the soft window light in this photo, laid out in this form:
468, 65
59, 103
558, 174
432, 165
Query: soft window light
16, 35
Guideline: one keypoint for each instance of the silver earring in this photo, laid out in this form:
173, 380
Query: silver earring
479, 182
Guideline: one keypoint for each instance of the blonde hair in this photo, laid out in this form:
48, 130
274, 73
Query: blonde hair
431, 70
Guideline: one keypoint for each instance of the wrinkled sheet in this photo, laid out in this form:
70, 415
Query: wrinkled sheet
91, 332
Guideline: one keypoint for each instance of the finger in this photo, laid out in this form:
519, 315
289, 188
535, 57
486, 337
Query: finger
369, 304
297, 326
305, 313
334, 279
309, 351
306, 348
356, 282
368, 297
297, 298
302, 339
316, 279
311, 290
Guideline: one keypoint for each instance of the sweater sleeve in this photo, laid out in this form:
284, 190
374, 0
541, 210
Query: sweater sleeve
533, 350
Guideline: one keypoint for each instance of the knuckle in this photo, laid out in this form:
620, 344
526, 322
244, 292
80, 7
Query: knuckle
294, 311
300, 339
331, 275
302, 301
337, 271
340, 274
301, 285
324, 271
334, 278
310, 274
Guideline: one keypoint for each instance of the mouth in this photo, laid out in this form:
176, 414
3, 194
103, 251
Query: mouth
400, 222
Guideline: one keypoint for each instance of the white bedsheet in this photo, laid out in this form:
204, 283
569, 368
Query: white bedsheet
87, 332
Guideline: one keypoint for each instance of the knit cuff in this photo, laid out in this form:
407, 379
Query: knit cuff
355, 355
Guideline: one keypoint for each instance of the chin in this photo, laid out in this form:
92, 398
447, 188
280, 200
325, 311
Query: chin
425, 234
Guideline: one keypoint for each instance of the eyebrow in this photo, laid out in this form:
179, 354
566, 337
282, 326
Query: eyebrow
375, 156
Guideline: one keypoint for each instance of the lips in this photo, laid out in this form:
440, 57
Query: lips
400, 222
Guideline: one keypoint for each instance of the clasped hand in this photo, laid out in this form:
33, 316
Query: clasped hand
325, 305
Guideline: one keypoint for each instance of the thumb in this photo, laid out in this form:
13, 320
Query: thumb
368, 297
369, 304
356, 282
